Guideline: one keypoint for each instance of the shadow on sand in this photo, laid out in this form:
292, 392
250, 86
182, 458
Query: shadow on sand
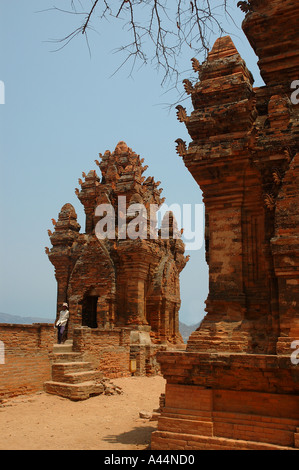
137, 436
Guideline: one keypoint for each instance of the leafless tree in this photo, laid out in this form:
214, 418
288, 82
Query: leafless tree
158, 30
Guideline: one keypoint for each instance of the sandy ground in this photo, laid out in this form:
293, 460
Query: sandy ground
48, 422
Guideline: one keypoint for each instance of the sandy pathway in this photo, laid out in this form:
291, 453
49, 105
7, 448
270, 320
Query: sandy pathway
48, 422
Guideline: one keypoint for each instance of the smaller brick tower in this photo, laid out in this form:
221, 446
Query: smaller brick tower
129, 277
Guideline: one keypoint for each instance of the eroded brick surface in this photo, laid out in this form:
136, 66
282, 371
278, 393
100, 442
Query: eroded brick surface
25, 364
236, 375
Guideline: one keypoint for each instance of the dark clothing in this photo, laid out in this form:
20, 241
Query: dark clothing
61, 329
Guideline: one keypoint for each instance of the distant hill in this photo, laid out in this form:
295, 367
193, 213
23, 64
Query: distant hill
17, 319
186, 330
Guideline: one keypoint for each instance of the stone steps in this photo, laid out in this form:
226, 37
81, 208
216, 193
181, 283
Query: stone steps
66, 357
62, 348
78, 391
74, 372
67, 367
84, 376
72, 377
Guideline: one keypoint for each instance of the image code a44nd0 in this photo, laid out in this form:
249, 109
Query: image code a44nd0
171, 459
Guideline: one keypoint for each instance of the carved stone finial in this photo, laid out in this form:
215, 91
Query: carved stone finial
277, 178
245, 6
53, 222
269, 201
188, 86
288, 155
181, 114
50, 233
122, 147
80, 181
47, 250
181, 148
77, 191
196, 65
83, 174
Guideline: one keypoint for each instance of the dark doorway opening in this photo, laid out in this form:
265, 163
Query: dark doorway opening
89, 311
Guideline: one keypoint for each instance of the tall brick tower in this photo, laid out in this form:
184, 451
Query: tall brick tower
237, 385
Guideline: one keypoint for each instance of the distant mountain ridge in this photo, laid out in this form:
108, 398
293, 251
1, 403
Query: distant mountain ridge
186, 330
19, 320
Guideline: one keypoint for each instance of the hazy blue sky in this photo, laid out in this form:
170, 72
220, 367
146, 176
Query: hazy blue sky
62, 109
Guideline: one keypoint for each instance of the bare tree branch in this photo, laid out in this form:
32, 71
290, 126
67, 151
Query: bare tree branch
89, 16
158, 29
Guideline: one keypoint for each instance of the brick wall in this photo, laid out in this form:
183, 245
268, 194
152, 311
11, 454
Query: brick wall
26, 364
231, 402
197, 418
107, 349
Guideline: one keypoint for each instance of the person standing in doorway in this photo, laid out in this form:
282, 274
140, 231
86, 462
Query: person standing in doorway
62, 322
